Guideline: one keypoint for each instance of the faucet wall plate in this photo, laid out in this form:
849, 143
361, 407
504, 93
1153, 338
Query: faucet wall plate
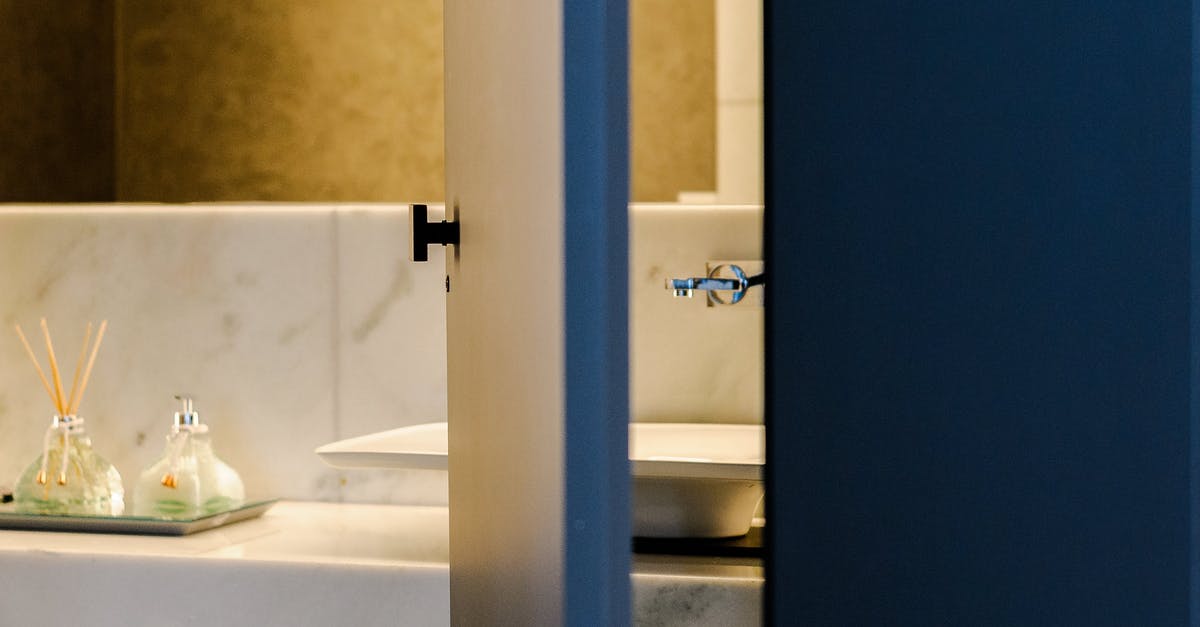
752, 267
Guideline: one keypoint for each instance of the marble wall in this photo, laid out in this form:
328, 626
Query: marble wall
292, 326
298, 325
690, 362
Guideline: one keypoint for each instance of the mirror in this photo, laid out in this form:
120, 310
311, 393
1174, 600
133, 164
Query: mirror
697, 101
141, 100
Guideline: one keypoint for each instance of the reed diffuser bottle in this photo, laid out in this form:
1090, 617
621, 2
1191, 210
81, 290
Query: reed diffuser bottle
189, 480
69, 477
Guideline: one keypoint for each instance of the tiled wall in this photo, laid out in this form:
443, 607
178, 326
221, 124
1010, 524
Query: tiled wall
292, 326
690, 362
299, 325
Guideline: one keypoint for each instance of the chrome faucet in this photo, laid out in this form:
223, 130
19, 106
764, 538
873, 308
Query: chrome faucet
739, 284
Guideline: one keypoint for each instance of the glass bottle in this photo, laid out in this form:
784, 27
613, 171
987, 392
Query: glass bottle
189, 480
69, 478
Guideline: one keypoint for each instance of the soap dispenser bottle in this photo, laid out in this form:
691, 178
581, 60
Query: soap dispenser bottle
188, 481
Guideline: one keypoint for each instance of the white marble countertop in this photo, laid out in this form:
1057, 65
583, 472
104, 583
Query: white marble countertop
308, 564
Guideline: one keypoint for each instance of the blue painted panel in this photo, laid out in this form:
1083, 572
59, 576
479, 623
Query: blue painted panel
981, 362
596, 188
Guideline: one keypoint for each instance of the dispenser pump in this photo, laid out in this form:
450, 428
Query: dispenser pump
188, 417
188, 481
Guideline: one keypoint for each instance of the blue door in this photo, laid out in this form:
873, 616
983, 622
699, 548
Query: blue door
981, 320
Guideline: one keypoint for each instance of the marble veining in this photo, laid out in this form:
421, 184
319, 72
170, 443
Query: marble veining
253, 311
391, 338
298, 325
667, 601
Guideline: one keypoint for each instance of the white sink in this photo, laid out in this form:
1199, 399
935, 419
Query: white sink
689, 480
695, 480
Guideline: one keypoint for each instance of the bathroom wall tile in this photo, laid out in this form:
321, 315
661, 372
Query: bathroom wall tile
392, 339
691, 362
231, 305
697, 601
295, 326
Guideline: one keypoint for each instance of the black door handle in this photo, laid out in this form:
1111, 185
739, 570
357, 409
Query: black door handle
424, 233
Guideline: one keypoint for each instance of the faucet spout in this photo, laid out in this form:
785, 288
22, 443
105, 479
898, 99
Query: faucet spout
739, 284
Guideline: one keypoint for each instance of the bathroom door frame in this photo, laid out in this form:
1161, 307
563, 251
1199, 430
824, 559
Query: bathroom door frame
537, 311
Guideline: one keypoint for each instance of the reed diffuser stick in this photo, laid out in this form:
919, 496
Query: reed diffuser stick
87, 337
33, 358
87, 373
58, 395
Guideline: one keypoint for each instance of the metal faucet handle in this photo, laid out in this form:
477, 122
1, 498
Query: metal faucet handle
739, 284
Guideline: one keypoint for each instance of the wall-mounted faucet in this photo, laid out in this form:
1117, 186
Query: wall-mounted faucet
715, 282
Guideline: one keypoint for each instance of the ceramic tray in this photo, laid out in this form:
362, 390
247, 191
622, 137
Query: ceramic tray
129, 524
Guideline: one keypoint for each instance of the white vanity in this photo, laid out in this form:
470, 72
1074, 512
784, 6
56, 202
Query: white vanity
309, 564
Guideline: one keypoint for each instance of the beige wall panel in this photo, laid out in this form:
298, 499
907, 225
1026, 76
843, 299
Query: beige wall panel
56, 101
299, 100
673, 93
